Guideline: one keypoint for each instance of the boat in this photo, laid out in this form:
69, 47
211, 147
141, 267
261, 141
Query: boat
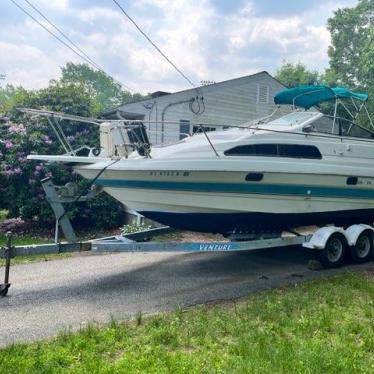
274, 174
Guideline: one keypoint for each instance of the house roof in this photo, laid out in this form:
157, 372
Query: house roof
111, 111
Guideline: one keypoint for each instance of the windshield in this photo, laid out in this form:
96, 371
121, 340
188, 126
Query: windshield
341, 127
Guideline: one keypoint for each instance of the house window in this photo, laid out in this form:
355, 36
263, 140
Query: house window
276, 150
262, 94
184, 128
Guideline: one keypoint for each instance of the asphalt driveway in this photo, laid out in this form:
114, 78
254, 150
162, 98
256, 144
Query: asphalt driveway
48, 297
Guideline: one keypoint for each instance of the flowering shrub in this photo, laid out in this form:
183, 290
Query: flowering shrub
13, 224
21, 192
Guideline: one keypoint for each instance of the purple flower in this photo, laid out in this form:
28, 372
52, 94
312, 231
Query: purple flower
9, 172
38, 167
8, 144
17, 129
46, 139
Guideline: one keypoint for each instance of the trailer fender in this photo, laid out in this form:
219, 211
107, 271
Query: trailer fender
321, 236
353, 232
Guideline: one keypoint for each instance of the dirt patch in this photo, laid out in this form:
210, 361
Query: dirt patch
190, 236
370, 273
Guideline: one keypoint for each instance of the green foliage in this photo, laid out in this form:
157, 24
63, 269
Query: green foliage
323, 326
129, 229
3, 215
10, 96
103, 88
21, 193
292, 75
352, 48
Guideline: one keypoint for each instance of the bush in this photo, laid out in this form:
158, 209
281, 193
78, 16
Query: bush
11, 224
21, 193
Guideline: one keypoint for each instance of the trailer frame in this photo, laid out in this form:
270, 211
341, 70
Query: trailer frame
135, 242
318, 240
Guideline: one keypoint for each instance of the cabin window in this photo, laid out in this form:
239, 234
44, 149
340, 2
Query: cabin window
184, 128
276, 150
298, 151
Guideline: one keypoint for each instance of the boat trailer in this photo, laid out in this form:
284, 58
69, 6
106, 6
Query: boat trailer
134, 242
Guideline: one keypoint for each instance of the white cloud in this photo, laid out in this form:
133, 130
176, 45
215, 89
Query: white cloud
59, 5
27, 66
204, 42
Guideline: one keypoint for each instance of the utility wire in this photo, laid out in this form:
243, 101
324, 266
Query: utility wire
64, 43
154, 45
63, 34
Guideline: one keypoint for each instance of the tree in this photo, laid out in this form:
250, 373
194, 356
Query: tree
106, 91
352, 47
9, 95
296, 74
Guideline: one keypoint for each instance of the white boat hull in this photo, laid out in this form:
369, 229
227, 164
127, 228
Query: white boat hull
223, 201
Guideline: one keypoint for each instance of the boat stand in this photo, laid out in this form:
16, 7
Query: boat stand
59, 195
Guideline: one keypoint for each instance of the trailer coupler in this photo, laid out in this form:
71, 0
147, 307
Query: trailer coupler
7, 253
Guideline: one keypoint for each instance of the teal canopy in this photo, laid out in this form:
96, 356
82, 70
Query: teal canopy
308, 96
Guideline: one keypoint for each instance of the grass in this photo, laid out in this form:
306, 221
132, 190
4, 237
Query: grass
323, 326
3, 215
174, 236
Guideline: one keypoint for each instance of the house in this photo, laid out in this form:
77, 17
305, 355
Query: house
171, 116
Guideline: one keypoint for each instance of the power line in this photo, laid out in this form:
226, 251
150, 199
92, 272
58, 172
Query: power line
63, 34
64, 43
154, 45
50, 32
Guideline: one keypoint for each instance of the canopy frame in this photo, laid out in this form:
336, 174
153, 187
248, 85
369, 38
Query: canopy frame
337, 94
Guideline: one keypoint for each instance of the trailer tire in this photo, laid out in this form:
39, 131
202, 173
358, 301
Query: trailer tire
333, 255
362, 251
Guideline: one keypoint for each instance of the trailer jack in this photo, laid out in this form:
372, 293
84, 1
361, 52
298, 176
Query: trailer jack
7, 254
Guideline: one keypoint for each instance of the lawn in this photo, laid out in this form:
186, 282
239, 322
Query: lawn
323, 326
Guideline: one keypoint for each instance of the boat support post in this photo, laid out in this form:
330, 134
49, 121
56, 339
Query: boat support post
57, 196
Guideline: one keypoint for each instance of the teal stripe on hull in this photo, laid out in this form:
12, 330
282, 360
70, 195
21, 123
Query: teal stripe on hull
261, 188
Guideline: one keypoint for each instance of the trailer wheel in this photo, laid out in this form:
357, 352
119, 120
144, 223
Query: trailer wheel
363, 249
332, 256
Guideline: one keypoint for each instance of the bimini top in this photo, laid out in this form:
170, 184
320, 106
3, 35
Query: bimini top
308, 96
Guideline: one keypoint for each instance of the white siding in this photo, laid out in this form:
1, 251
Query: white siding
231, 102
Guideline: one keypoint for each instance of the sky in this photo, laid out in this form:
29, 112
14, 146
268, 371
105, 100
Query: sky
212, 40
